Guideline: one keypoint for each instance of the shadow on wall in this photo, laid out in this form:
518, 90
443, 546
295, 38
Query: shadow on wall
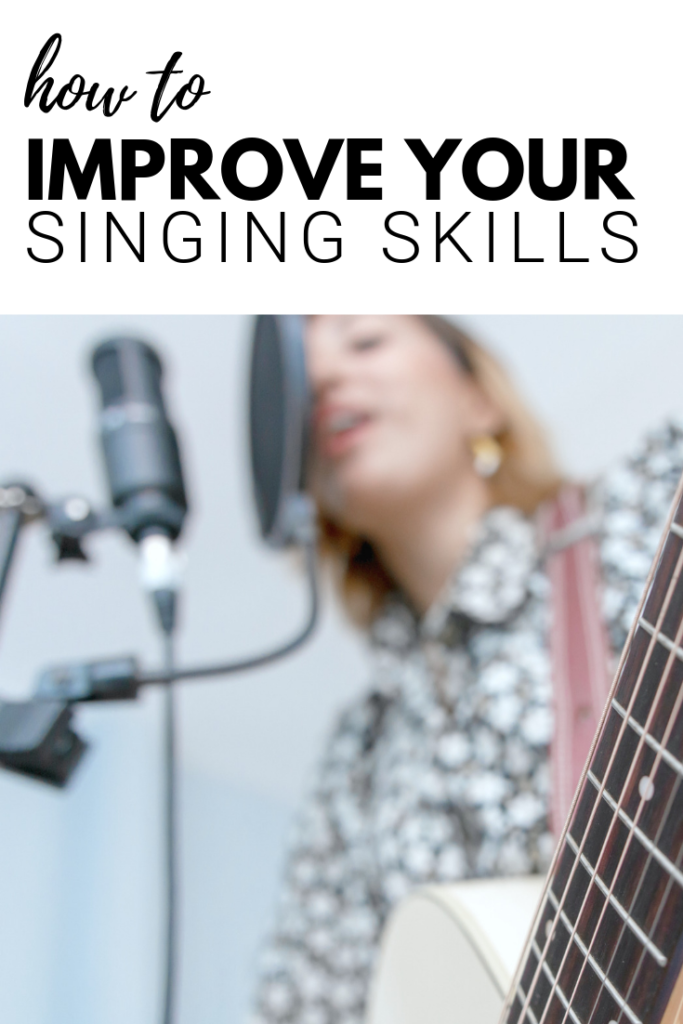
234, 841
231, 860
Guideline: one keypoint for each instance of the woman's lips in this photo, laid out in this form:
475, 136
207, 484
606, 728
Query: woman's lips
339, 430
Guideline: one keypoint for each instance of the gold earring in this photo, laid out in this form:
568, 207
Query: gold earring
487, 455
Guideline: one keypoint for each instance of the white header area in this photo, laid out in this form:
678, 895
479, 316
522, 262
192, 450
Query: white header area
194, 239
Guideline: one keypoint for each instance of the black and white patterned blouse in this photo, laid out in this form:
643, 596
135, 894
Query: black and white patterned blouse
440, 771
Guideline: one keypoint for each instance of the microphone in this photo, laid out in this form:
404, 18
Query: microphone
142, 462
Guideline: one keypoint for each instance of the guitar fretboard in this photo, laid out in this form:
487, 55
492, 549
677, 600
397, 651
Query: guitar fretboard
607, 943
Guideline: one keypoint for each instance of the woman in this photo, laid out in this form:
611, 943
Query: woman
428, 473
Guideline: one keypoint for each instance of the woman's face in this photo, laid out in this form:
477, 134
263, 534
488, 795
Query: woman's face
394, 415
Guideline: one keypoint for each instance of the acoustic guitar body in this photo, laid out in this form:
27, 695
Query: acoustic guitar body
449, 952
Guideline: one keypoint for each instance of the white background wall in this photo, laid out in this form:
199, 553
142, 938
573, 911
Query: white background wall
80, 881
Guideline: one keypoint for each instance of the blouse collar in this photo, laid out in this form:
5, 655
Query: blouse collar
489, 586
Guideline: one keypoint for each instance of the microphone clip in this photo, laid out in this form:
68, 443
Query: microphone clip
72, 519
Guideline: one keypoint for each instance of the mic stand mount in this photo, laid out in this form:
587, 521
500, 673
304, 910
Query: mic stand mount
36, 737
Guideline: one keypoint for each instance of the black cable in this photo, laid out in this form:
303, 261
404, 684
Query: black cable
165, 602
256, 661
170, 830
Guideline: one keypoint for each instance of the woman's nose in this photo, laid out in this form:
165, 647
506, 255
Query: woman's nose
327, 367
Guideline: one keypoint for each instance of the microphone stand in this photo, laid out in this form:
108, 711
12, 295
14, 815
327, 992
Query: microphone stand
55, 756
171, 828
19, 505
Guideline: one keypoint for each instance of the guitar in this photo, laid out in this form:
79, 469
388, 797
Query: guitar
604, 944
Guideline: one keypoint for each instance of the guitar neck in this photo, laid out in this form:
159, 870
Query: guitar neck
606, 946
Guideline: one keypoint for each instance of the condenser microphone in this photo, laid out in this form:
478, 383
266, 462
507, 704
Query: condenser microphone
279, 429
140, 446
142, 460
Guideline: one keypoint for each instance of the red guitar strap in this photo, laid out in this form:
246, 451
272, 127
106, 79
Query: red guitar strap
579, 652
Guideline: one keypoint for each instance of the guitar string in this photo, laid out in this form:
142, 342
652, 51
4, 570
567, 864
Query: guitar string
647, 941
645, 664
616, 805
541, 965
669, 885
642, 670
660, 750
559, 851
664, 899
623, 913
549, 933
677, 767
661, 687
508, 1008
601, 787
515, 990
531, 944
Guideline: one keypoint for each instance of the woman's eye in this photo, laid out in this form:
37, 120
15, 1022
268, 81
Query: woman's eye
363, 344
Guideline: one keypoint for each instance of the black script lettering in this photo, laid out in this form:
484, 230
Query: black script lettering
37, 83
184, 98
40, 84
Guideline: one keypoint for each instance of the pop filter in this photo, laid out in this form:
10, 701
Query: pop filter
279, 425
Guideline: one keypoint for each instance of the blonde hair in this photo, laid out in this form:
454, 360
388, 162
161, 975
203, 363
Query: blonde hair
527, 476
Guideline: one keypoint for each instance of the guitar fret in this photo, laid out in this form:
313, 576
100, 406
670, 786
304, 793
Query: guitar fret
621, 911
661, 638
661, 858
555, 985
678, 530
528, 1012
590, 959
672, 761
667, 572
